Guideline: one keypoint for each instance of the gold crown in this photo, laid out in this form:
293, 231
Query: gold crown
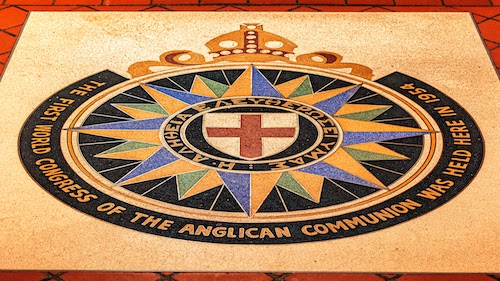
250, 44
250, 39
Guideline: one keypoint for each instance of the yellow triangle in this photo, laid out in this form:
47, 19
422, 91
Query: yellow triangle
356, 108
313, 184
342, 160
137, 154
321, 96
377, 148
287, 88
170, 104
261, 185
349, 125
242, 86
149, 136
137, 113
200, 88
172, 169
209, 181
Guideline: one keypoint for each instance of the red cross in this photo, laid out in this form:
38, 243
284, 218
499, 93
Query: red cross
251, 134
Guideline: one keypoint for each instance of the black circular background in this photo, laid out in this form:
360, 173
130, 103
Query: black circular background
394, 81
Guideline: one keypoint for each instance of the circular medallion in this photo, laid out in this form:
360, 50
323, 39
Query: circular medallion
240, 131
261, 153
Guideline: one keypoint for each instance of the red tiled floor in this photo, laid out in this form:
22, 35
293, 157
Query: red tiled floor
445, 277
467, 2
21, 276
84, 9
273, 2
15, 30
109, 276
231, 9
330, 2
119, 8
28, 2
389, 276
188, 2
377, 9
2, 66
48, 8
156, 9
11, 16
370, 2
4, 57
78, 2
126, 2
495, 55
333, 277
7, 42
491, 45
280, 8
418, 2
488, 12
222, 277
479, 19
490, 30
341, 8
449, 9
194, 8
413, 8
223, 2
304, 9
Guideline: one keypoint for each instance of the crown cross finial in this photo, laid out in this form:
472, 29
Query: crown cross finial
250, 39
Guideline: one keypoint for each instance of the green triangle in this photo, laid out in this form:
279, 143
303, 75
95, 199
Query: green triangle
362, 155
305, 88
218, 88
186, 181
128, 146
366, 115
287, 182
156, 108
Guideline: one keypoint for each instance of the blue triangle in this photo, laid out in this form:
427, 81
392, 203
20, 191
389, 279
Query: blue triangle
239, 185
161, 158
181, 95
261, 86
329, 171
333, 104
364, 137
146, 124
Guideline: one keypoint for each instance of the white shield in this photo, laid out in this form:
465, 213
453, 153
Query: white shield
251, 135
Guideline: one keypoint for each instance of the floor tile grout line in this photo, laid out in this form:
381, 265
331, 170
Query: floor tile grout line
493, 277
260, 4
310, 7
394, 278
54, 276
491, 41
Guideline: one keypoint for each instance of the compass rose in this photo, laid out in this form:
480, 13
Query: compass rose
250, 137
